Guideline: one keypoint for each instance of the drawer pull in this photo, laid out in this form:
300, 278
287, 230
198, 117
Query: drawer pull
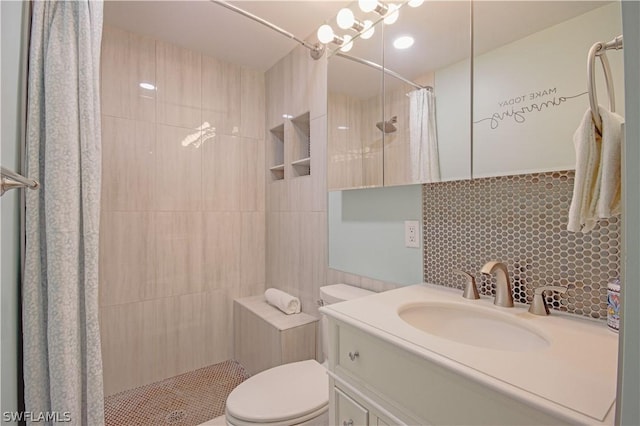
352, 357
347, 423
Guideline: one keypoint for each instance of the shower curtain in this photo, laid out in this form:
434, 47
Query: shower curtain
61, 339
423, 137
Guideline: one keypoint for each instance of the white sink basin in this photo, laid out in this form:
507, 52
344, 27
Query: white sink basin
476, 326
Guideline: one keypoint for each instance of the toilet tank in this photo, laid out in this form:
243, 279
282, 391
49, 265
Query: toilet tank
336, 293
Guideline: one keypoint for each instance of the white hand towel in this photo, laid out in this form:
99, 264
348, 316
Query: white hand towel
285, 302
596, 190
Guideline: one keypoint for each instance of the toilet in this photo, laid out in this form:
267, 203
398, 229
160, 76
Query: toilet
291, 394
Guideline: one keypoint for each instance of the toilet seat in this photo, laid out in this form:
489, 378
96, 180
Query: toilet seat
297, 391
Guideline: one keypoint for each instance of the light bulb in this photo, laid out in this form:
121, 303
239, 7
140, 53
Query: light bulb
346, 44
392, 15
345, 18
368, 31
325, 34
403, 42
415, 3
367, 5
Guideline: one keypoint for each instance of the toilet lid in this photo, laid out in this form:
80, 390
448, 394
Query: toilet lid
281, 393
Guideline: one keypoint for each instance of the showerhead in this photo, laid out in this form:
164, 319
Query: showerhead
388, 126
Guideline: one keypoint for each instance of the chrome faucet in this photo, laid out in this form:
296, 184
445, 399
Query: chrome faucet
504, 297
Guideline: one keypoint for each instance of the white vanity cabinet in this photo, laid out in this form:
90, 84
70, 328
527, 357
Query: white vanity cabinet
375, 383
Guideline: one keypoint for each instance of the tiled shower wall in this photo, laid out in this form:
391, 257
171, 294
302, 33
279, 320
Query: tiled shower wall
183, 209
521, 221
296, 249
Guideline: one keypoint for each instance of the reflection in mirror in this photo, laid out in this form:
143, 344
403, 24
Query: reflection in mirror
431, 46
530, 81
420, 113
355, 144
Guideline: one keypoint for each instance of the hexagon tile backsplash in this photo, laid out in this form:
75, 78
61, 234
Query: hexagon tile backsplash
521, 221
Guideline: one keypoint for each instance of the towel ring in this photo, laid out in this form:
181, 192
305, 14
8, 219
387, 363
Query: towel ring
599, 50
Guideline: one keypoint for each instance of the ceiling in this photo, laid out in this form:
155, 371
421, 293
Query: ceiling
214, 30
441, 30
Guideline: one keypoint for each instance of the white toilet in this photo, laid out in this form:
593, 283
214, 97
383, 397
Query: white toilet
290, 394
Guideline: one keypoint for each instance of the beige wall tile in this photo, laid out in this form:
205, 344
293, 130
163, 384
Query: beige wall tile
221, 173
178, 183
275, 83
121, 329
157, 325
251, 176
296, 92
300, 194
319, 164
252, 249
218, 327
179, 252
127, 257
128, 172
252, 100
222, 250
317, 80
179, 86
278, 196
221, 88
128, 59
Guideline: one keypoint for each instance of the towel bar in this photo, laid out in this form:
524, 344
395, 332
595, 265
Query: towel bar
599, 50
12, 180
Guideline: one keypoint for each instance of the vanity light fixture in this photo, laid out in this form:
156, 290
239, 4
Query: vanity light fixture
147, 86
346, 20
373, 5
403, 42
347, 43
392, 15
325, 34
415, 3
368, 30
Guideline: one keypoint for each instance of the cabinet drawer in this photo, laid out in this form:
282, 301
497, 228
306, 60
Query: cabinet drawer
392, 375
348, 411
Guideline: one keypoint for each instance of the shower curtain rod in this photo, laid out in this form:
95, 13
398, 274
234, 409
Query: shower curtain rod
383, 69
316, 50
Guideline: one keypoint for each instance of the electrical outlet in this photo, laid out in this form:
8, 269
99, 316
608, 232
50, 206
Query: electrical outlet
412, 233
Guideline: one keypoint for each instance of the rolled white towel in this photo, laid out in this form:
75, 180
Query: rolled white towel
284, 301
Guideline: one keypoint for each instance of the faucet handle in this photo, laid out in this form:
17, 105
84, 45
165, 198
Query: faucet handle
471, 289
539, 304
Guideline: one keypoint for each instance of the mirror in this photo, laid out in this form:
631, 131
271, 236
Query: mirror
410, 124
430, 140
530, 81
368, 147
354, 157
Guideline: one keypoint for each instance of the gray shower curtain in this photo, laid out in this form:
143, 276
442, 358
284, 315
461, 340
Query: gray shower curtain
62, 358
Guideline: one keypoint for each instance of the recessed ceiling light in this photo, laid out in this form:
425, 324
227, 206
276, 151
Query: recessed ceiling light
343, 128
403, 42
147, 86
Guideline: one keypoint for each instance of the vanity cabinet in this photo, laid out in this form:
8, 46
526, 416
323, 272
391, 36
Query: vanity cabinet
373, 382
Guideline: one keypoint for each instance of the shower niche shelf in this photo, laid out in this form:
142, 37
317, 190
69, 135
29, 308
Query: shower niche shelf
277, 152
301, 138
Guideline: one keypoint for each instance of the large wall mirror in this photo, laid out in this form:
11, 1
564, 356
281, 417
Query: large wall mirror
393, 128
530, 81
410, 123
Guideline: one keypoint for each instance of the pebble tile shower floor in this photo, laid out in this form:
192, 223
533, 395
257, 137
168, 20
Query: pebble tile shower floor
188, 399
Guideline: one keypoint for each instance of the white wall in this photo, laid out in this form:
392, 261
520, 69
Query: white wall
629, 367
512, 76
366, 233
